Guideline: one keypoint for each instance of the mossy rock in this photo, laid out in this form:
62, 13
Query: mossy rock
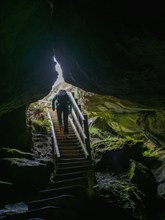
115, 156
143, 178
14, 153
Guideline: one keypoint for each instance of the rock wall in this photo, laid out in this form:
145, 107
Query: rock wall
26, 52
115, 49
26, 63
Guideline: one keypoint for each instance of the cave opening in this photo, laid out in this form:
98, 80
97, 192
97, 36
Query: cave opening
60, 74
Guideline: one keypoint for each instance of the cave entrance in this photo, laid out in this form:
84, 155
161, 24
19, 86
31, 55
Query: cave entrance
37, 112
59, 83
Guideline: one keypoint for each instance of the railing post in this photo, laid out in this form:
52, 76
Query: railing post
79, 106
56, 151
86, 129
77, 121
73, 94
79, 116
55, 160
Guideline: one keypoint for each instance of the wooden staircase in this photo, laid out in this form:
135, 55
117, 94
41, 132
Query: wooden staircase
68, 193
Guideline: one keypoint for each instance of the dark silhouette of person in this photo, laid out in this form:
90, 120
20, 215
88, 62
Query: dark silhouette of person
63, 105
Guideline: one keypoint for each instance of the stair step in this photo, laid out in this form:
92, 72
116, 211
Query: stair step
61, 135
74, 163
57, 125
56, 121
67, 176
48, 212
58, 130
63, 139
78, 155
72, 169
69, 140
72, 144
61, 201
68, 182
70, 130
70, 148
66, 160
76, 190
71, 151
66, 202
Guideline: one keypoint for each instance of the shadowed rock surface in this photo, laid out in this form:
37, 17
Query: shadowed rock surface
110, 48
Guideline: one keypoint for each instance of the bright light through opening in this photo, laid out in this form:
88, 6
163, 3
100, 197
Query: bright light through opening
59, 70
59, 83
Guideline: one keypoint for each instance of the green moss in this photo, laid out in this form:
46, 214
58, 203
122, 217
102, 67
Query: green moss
141, 170
153, 153
133, 139
42, 124
37, 117
131, 172
101, 114
125, 194
114, 142
15, 152
133, 192
96, 132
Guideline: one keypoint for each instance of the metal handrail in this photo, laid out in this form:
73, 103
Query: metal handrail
78, 125
79, 138
77, 120
76, 106
54, 136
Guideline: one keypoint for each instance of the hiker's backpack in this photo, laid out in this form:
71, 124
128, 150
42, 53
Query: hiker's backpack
63, 99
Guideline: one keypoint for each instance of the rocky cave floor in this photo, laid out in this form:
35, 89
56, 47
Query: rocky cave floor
42, 151
114, 194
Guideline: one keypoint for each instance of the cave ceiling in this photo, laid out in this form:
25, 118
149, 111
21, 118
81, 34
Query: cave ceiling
113, 48
26, 54
107, 48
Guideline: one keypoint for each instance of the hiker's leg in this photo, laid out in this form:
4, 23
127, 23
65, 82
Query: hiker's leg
65, 117
59, 116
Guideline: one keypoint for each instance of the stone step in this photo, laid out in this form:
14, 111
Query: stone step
47, 212
74, 160
66, 202
73, 169
68, 182
76, 190
70, 148
74, 163
68, 144
67, 176
70, 131
56, 126
62, 136
61, 201
68, 140
71, 151
72, 137
75, 155
56, 123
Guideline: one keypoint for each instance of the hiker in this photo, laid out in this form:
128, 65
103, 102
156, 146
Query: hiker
63, 105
